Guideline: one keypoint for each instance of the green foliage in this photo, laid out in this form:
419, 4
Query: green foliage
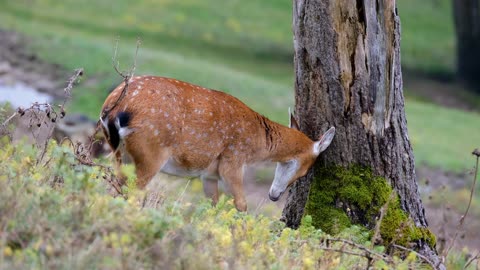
57, 213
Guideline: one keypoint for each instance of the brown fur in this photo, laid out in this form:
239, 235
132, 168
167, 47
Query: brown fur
201, 130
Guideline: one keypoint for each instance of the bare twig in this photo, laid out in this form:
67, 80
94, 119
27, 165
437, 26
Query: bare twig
5, 123
425, 259
71, 81
126, 76
471, 260
49, 110
461, 222
365, 252
362, 248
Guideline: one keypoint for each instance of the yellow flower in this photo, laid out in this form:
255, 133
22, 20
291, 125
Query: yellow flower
308, 263
246, 249
49, 250
225, 239
7, 252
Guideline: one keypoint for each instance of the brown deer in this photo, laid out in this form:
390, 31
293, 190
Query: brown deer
182, 129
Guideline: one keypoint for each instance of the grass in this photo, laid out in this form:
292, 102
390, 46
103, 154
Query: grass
233, 46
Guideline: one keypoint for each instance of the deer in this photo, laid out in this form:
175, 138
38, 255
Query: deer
171, 126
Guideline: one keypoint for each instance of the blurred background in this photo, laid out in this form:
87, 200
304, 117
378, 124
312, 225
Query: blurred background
245, 48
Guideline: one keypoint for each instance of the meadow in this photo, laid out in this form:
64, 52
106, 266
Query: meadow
241, 47
234, 47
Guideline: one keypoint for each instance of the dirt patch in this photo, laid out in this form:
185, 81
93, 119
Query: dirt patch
439, 190
18, 64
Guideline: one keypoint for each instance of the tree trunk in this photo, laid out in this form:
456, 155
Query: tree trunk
467, 24
348, 75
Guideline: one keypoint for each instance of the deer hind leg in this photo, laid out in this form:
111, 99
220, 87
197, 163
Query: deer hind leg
210, 188
147, 164
233, 176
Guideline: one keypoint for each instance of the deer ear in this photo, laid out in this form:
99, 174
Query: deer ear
322, 144
292, 123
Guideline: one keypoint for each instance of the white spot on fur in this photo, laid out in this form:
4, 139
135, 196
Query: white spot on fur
135, 93
152, 110
156, 132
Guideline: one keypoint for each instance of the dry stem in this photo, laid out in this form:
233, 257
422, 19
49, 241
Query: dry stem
461, 222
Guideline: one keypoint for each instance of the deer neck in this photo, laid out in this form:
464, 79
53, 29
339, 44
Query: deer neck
283, 143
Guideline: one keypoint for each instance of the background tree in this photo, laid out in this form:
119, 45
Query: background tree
348, 75
467, 24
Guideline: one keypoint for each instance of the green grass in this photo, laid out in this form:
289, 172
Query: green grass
428, 36
241, 47
442, 137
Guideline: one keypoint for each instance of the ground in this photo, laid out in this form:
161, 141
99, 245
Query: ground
19, 64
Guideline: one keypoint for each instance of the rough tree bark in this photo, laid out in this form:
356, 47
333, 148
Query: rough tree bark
348, 75
467, 24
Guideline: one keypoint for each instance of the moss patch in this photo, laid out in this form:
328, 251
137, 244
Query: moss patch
398, 228
340, 197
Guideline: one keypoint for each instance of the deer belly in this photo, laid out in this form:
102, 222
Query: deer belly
174, 168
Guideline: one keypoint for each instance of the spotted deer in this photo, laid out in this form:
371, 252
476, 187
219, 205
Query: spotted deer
183, 129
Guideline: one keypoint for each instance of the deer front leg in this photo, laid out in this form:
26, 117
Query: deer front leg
233, 176
210, 188
122, 178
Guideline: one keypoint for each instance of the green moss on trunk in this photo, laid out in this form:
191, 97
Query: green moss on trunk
340, 197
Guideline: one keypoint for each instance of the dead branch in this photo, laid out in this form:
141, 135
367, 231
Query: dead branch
5, 123
362, 248
425, 259
365, 252
52, 114
471, 260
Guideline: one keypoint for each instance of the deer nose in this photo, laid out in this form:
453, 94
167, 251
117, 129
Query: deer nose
273, 198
